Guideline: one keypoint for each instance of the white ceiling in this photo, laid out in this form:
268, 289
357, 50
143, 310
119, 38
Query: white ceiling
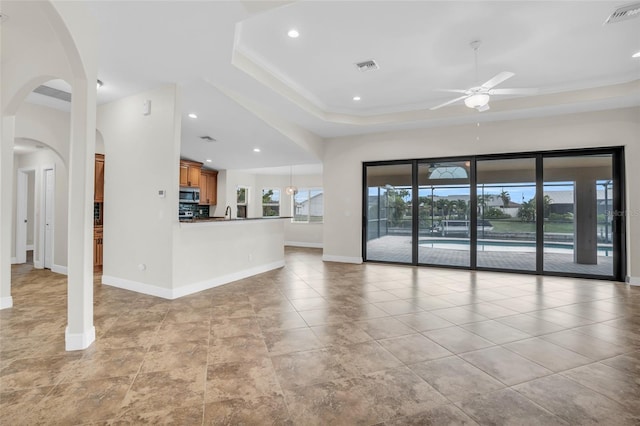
221, 52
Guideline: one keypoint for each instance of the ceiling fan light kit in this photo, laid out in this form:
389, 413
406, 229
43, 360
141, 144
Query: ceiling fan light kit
477, 101
478, 97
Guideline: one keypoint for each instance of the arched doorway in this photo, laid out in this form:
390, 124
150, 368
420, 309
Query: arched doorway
50, 51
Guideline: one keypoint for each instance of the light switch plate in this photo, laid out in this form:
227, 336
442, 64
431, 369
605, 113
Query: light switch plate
146, 107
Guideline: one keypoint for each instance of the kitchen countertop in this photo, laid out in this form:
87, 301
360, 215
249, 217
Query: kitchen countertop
222, 219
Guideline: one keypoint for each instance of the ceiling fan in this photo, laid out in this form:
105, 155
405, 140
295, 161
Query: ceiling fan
478, 97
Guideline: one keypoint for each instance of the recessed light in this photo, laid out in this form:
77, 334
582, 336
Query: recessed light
192, 115
356, 98
293, 33
256, 149
208, 160
636, 55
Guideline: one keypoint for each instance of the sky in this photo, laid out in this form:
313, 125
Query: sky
519, 192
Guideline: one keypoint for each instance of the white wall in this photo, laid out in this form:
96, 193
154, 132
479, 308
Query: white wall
213, 253
295, 234
99, 143
50, 127
46, 125
38, 161
141, 158
342, 168
228, 183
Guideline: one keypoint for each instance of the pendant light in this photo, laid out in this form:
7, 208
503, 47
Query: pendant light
291, 189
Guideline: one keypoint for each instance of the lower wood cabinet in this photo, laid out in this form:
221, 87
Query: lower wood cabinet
97, 247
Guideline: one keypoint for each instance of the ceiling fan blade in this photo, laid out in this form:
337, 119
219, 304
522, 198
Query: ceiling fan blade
505, 75
513, 91
452, 91
448, 103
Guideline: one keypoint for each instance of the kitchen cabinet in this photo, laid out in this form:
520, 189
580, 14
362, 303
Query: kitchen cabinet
98, 184
190, 173
97, 247
208, 187
98, 197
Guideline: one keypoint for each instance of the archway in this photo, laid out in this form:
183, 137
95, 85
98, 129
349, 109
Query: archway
52, 49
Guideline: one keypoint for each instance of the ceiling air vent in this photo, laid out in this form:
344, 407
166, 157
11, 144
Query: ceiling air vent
207, 138
53, 93
369, 65
623, 13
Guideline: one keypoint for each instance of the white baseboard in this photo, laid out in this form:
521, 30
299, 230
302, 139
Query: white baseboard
59, 269
14, 260
302, 244
136, 286
633, 280
225, 279
188, 289
30, 247
37, 264
79, 341
341, 259
6, 302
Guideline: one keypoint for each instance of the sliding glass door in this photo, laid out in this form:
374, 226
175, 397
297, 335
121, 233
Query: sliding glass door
578, 226
443, 214
556, 213
506, 193
389, 236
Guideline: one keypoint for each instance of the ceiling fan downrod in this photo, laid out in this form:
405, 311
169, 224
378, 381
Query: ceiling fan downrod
475, 45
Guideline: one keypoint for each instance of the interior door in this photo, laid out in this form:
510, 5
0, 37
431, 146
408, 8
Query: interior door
21, 218
49, 182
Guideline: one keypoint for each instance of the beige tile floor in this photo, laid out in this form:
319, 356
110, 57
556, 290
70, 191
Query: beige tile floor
326, 343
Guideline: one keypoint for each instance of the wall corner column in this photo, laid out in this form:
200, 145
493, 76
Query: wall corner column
7, 129
80, 331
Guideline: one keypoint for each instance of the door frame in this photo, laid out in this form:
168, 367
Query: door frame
21, 212
43, 217
618, 208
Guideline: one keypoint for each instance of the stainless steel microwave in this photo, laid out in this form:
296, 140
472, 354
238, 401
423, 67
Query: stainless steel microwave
190, 195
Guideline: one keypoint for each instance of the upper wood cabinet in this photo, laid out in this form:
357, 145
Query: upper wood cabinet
98, 184
190, 173
208, 187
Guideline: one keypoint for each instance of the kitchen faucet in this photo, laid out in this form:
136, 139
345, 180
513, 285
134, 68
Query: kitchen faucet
227, 212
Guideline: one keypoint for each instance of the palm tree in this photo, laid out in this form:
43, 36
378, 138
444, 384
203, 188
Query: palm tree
506, 198
463, 209
483, 201
443, 206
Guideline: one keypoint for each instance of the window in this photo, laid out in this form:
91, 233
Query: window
270, 202
542, 212
308, 205
242, 197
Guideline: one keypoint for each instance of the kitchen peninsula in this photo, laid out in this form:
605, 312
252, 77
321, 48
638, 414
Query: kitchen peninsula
209, 253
